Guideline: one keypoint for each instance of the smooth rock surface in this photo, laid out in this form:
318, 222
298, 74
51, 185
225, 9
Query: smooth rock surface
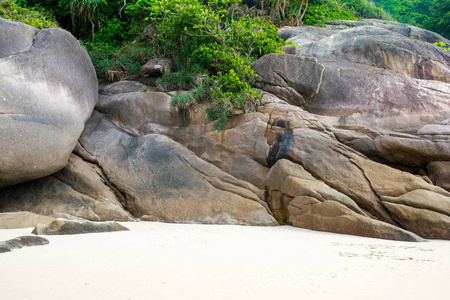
123, 86
48, 89
307, 34
304, 140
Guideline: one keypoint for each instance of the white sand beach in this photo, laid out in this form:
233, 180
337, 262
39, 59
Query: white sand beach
174, 261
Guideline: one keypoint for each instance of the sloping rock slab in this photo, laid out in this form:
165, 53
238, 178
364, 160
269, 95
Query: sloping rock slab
64, 227
160, 177
22, 219
80, 190
315, 205
23, 241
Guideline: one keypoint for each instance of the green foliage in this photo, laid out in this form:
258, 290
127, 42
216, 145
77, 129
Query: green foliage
33, 16
443, 46
85, 10
215, 36
116, 62
429, 14
186, 100
220, 115
317, 12
103, 19
321, 11
184, 79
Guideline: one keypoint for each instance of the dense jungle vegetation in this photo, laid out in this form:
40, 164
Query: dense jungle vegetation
212, 43
429, 14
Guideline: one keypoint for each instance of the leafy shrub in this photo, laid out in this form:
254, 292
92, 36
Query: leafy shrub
33, 16
215, 37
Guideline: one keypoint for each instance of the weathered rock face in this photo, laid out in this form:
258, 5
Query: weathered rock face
410, 31
439, 173
379, 191
381, 89
121, 87
374, 76
48, 90
310, 33
310, 203
161, 178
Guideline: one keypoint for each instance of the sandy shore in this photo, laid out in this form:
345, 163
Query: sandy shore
169, 261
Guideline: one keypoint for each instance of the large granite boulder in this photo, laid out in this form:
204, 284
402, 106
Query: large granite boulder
381, 88
383, 77
48, 89
306, 34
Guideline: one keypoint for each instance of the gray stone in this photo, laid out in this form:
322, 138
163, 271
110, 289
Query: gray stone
23, 241
19, 37
48, 89
381, 48
294, 78
385, 78
157, 67
312, 204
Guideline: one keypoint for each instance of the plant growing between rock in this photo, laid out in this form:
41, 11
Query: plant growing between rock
443, 45
223, 43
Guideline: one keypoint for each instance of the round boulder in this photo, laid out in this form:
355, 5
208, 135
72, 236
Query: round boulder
48, 89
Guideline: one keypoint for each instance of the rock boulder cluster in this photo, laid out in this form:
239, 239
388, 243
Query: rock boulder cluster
352, 136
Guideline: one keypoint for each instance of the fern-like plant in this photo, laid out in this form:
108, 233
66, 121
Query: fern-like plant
85, 9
